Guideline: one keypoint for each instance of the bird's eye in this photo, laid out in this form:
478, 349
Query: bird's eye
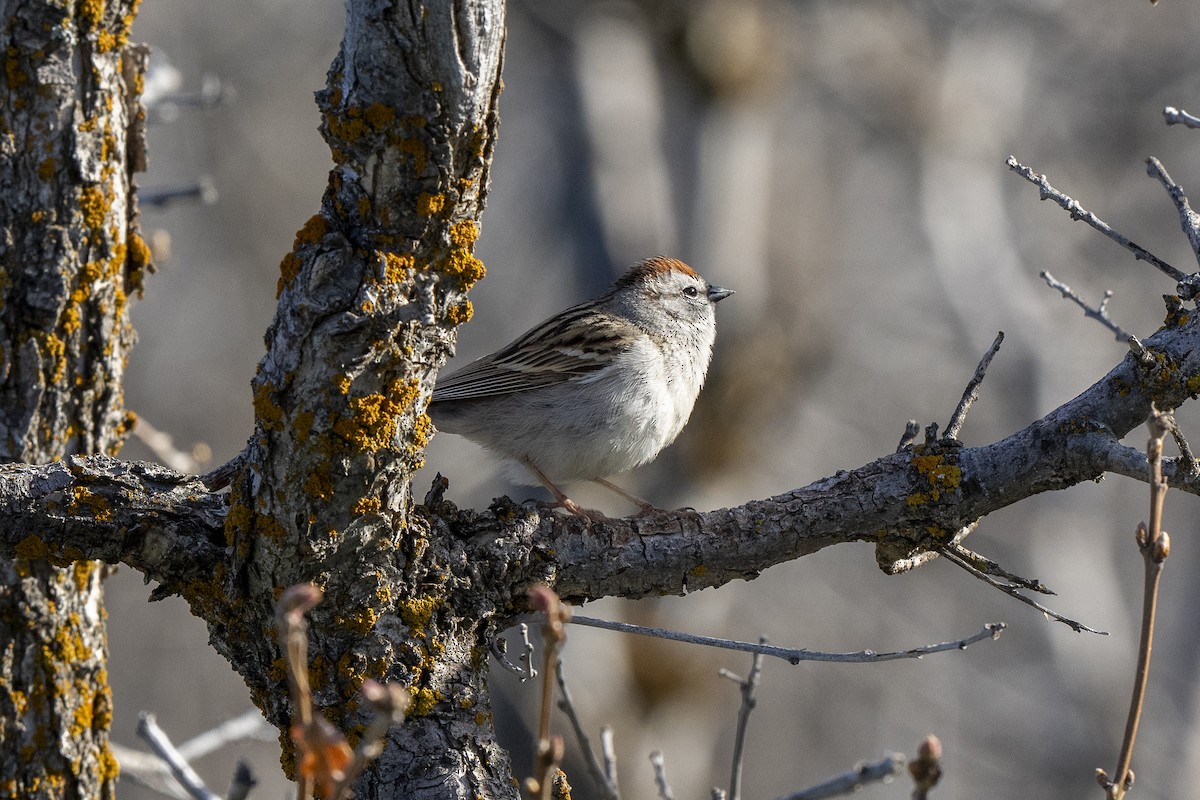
691, 291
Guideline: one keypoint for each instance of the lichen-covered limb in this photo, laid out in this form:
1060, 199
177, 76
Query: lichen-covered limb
167, 526
907, 502
171, 527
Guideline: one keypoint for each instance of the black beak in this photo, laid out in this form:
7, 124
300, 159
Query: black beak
716, 294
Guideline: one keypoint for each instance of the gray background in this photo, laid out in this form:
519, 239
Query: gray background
841, 165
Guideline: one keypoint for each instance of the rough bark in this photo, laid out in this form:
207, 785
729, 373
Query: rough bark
368, 301
475, 566
70, 259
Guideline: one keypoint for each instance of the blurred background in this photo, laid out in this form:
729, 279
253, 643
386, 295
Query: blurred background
841, 165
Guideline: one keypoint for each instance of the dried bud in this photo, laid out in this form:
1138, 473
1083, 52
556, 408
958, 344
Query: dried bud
1142, 535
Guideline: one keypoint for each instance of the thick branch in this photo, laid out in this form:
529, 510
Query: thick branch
167, 526
170, 527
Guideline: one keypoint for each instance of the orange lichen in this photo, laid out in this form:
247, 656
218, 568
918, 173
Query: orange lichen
460, 312
310, 233
397, 267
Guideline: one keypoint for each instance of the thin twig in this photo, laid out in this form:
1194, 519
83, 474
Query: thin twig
1078, 212
1154, 545
524, 670
989, 567
203, 190
794, 655
608, 750
748, 686
1190, 466
1188, 219
1177, 116
971, 393
1099, 313
549, 749
660, 776
566, 704
1013, 591
854, 780
151, 734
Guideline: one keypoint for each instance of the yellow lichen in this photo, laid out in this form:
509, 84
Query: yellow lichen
91, 203
266, 410
939, 475
430, 204
423, 701
366, 505
460, 312
318, 484
84, 501
92, 11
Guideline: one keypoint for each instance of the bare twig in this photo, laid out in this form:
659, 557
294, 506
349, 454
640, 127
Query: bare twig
1177, 116
1078, 212
971, 393
748, 686
322, 747
1188, 219
989, 567
599, 773
926, 768
1099, 313
549, 750
1187, 463
793, 655
1013, 591
852, 781
1154, 545
151, 734
524, 670
203, 191
660, 776
608, 751
150, 771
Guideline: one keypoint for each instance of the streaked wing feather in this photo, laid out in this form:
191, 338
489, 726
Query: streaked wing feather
554, 352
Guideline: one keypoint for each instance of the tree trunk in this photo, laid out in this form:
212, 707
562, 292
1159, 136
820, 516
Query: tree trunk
369, 299
70, 258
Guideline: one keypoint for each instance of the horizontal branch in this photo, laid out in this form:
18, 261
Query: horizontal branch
168, 526
909, 503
